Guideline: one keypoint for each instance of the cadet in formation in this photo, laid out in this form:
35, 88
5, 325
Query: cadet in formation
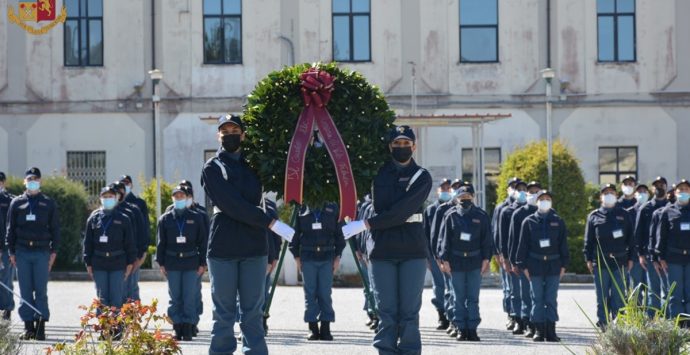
465, 249
523, 321
33, 237
317, 247
505, 274
7, 270
542, 255
608, 251
673, 250
109, 251
237, 246
143, 235
398, 249
181, 255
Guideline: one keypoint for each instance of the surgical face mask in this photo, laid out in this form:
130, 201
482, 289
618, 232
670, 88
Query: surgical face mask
108, 203
642, 197
190, 202
33, 186
521, 196
180, 204
683, 198
627, 190
532, 199
544, 206
445, 196
231, 142
465, 204
401, 154
128, 189
608, 200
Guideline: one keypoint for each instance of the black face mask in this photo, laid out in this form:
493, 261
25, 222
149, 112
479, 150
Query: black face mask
230, 142
660, 193
401, 154
466, 203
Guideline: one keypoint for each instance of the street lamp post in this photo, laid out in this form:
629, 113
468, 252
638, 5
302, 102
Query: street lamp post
156, 76
548, 74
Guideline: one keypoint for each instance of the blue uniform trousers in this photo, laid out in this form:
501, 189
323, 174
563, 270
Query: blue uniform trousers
466, 285
398, 290
7, 278
544, 295
230, 277
183, 304
608, 297
679, 299
317, 277
32, 274
109, 286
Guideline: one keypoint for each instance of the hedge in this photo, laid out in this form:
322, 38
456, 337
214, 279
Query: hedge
148, 193
72, 202
571, 199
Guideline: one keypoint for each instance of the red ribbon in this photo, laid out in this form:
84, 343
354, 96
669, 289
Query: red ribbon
317, 87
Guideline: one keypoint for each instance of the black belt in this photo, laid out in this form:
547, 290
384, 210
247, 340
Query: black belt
467, 254
109, 254
318, 248
34, 243
182, 254
545, 257
678, 251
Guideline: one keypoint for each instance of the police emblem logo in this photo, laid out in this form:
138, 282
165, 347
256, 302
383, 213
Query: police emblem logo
38, 17
401, 129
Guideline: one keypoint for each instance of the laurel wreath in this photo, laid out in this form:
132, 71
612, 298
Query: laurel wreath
36, 31
358, 109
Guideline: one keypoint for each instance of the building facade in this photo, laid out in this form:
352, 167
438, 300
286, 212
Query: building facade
76, 101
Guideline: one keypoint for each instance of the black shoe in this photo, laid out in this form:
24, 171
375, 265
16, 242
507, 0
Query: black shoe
375, 325
539, 334
29, 331
443, 322
195, 330
530, 330
325, 331
511, 325
462, 335
601, 326
371, 320
454, 333
265, 325
186, 330
450, 329
177, 328
520, 327
472, 335
314, 329
41, 330
7, 314
551, 332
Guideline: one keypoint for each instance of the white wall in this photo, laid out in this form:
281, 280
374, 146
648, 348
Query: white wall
651, 129
4, 152
53, 135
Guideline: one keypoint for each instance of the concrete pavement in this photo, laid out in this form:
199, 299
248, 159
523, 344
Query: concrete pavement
287, 330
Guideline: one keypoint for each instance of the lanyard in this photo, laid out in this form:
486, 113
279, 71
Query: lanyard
544, 230
105, 225
180, 224
31, 206
317, 215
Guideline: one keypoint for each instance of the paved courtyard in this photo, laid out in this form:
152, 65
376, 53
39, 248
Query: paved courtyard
287, 330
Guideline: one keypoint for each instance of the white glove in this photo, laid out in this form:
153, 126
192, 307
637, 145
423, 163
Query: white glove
353, 228
283, 230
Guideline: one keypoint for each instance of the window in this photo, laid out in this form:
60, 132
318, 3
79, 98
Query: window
492, 163
351, 31
223, 31
83, 33
616, 30
478, 31
615, 163
89, 169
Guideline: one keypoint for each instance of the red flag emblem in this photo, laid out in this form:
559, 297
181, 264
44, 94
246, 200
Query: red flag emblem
46, 10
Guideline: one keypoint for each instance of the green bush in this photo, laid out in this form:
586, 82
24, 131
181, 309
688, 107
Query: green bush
9, 342
148, 193
570, 196
72, 203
